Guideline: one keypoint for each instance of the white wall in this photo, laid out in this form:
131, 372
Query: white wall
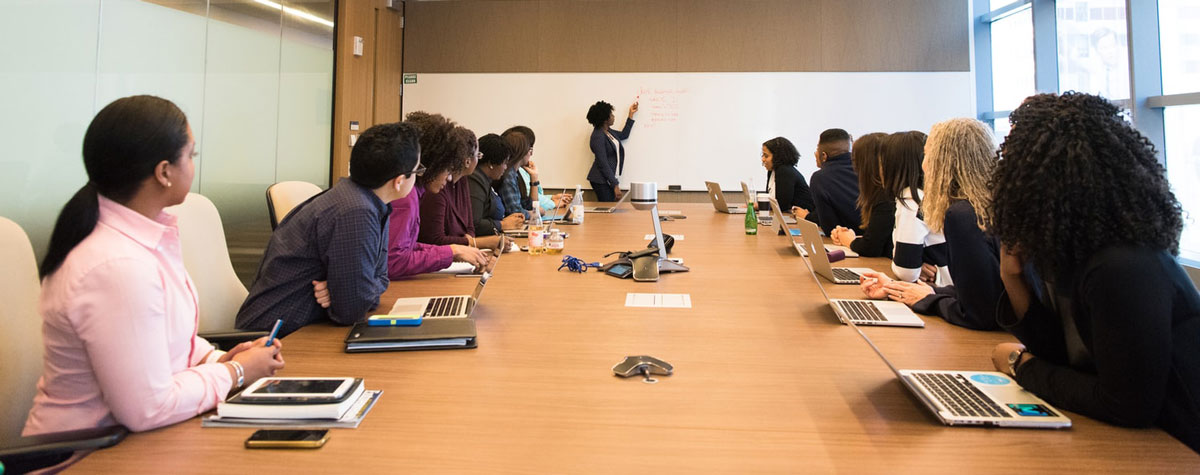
691, 127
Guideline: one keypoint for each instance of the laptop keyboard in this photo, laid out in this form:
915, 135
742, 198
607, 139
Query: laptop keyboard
959, 396
841, 274
444, 306
861, 311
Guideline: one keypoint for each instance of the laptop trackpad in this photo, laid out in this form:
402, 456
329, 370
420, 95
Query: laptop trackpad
408, 307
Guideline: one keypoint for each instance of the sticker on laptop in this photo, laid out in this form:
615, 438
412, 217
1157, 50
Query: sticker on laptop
989, 379
1032, 410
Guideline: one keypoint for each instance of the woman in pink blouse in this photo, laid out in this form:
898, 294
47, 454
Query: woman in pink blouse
119, 310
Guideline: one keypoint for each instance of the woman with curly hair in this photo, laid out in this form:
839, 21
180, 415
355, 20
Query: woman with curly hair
443, 148
1109, 322
446, 151
606, 147
878, 210
959, 158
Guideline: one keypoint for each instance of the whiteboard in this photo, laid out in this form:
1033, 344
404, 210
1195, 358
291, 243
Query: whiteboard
691, 127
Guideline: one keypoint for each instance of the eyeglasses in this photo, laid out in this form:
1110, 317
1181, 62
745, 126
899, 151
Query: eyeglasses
420, 170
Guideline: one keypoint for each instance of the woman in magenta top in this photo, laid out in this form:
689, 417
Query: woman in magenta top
407, 256
446, 216
119, 310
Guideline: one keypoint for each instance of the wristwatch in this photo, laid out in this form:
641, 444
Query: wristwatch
1014, 360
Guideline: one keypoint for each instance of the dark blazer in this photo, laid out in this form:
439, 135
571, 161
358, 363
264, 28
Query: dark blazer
608, 161
974, 264
1138, 316
835, 195
484, 203
791, 190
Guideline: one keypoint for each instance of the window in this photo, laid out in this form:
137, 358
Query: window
1093, 49
1179, 44
1012, 60
1183, 171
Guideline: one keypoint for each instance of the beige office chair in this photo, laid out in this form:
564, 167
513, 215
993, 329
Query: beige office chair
206, 258
284, 196
21, 337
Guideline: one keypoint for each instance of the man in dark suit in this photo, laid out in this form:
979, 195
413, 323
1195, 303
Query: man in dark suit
835, 185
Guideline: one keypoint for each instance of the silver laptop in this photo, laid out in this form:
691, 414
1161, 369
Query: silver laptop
809, 234
866, 312
608, 209
445, 306
718, 200
976, 398
799, 245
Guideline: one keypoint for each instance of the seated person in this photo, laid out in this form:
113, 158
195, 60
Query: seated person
959, 159
406, 256
784, 181
834, 185
876, 209
496, 156
1108, 320
118, 308
915, 249
530, 180
446, 216
339, 236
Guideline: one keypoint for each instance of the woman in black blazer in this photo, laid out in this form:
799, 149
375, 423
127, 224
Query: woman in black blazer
779, 157
606, 147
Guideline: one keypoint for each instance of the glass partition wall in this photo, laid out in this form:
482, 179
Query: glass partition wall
255, 78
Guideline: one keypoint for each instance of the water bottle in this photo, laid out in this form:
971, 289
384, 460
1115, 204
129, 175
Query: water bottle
555, 244
577, 206
751, 218
537, 241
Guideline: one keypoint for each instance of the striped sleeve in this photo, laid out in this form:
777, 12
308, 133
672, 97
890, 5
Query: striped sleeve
908, 240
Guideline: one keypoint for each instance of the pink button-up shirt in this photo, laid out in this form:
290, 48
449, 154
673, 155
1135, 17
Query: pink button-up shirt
119, 329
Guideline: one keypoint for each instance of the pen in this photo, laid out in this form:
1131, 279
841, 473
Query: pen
274, 331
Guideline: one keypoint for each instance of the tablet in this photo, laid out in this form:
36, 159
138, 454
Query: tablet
298, 388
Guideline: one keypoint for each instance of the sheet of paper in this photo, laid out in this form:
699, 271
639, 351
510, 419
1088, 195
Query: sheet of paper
678, 237
658, 300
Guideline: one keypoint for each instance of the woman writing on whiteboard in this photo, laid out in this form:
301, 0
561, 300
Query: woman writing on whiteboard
606, 147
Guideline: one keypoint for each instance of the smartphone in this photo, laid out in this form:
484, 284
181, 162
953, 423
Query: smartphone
620, 270
287, 439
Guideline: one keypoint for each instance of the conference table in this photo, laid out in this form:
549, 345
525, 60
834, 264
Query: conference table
766, 380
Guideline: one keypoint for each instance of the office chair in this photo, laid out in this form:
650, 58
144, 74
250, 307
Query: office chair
21, 364
206, 258
284, 196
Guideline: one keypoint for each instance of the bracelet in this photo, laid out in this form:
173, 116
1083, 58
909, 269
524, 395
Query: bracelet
535, 183
471, 241
241, 373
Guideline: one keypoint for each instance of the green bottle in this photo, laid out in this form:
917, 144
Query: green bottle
751, 219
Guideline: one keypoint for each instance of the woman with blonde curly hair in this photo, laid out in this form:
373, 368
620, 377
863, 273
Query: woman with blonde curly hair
959, 158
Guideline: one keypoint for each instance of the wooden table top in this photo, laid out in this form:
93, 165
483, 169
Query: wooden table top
766, 380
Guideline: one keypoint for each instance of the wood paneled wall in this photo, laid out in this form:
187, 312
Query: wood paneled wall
367, 87
687, 35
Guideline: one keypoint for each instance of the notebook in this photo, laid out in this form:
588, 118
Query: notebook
431, 334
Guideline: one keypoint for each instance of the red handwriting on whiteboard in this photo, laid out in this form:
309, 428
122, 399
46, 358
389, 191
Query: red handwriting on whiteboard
662, 103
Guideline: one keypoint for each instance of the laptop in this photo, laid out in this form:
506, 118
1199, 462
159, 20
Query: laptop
446, 306
608, 209
986, 398
718, 199
885, 313
809, 234
799, 246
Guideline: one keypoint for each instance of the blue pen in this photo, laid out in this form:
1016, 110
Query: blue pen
274, 331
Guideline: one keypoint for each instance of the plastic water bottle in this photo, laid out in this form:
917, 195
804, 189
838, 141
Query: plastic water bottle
577, 206
537, 241
555, 244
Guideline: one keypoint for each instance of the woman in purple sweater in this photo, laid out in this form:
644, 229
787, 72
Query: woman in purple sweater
447, 151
